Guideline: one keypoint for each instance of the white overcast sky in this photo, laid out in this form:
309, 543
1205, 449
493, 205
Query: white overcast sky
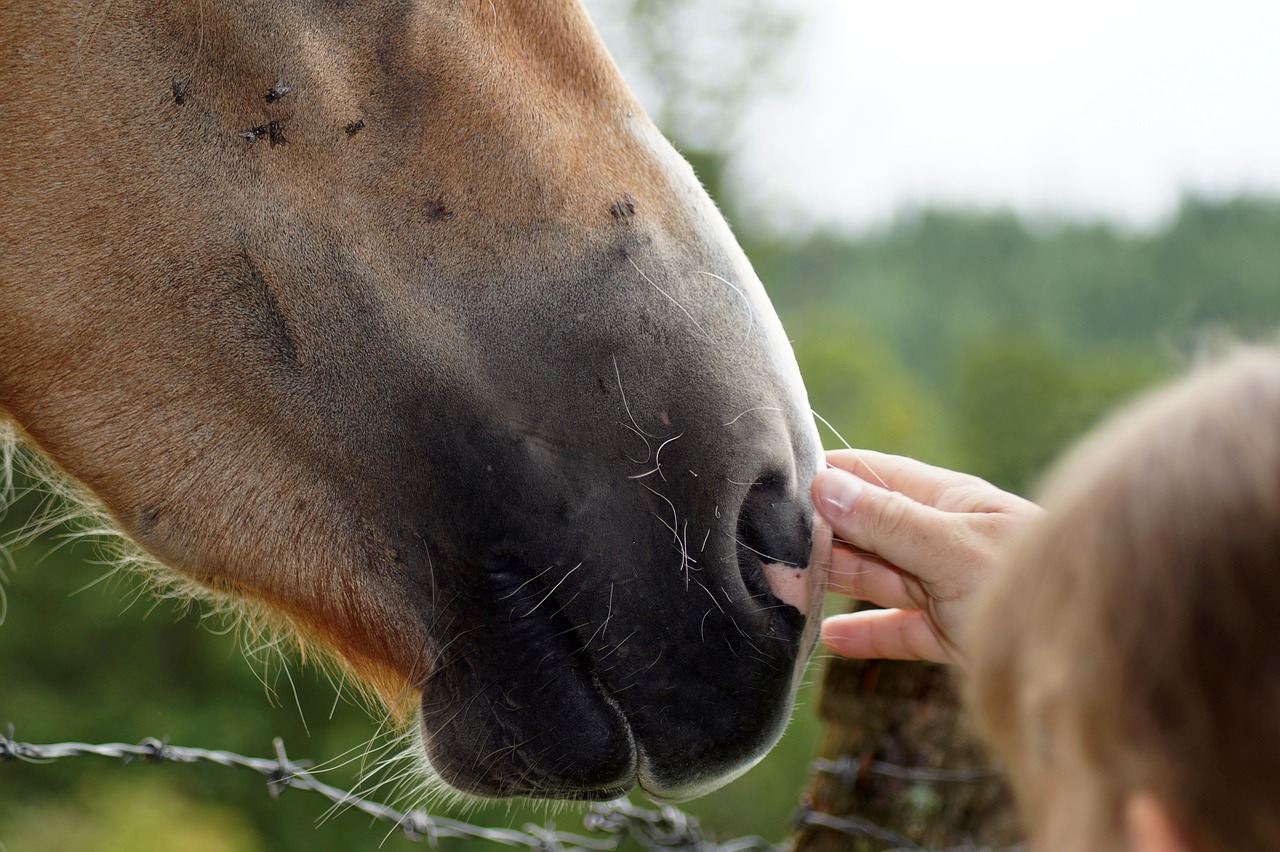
1089, 109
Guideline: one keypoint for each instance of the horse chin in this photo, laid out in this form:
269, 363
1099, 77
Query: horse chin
527, 702
482, 737
801, 589
605, 757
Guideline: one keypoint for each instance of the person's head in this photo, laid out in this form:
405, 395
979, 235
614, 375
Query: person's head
1125, 662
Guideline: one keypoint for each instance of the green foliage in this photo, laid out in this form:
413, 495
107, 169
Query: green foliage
130, 815
1018, 400
1018, 337
859, 385
698, 66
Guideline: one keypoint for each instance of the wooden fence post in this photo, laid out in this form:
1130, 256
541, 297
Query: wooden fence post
880, 716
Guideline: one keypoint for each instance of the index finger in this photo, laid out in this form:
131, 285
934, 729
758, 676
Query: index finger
924, 483
914, 536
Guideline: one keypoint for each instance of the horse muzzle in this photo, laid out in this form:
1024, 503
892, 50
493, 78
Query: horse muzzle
644, 631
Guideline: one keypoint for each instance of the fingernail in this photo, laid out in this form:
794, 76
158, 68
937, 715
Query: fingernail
837, 492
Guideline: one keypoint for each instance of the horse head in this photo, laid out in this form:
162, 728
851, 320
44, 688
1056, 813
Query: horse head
403, 322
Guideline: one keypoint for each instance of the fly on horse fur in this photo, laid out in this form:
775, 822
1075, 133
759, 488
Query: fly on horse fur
277, 91
413, 432
253, 134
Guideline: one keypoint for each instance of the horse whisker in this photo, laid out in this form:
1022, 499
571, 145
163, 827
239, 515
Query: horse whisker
751, 311
651, 283
848, 446
749, 410
553, 590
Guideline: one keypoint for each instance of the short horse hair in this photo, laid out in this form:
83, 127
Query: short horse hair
1131, 640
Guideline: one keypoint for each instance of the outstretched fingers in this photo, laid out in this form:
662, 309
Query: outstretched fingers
885, 634
920, 481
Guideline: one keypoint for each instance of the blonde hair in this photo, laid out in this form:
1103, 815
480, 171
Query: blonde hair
1131, 641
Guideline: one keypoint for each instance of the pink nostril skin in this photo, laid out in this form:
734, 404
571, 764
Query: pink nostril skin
803, 588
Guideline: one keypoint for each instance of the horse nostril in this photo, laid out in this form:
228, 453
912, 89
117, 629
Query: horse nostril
774, 535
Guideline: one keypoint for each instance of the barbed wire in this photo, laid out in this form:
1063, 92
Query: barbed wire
850, 770
666, 827
857, 827
895, 842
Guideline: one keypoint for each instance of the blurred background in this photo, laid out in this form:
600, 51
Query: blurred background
983, 225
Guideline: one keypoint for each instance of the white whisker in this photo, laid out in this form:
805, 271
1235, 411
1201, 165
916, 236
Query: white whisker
670, 297
553, 590
751, 311
848, 446
749, 410
635, 426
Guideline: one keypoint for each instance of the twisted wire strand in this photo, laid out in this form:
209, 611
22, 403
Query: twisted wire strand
665, 828
849, 769
605, 824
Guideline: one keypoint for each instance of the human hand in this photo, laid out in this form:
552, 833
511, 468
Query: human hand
916, 539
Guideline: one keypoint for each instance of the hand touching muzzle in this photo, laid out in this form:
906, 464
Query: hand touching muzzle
915, 539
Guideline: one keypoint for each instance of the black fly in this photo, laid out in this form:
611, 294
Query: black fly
354, 127
278, 91
271, 130
624, 208
253, 134
180, 88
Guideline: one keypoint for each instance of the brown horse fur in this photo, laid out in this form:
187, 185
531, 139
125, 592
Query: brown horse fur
195, 197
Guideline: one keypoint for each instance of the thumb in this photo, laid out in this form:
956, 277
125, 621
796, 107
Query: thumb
888, 524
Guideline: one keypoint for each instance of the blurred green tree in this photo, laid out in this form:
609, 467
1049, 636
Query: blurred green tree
133, 815
1019, 400
860, 387
698, 67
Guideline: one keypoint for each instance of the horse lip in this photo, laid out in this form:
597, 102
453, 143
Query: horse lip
815, 577
538, 604
527, 633
583, 660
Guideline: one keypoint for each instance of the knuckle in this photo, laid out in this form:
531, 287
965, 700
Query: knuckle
893, 516
987, 536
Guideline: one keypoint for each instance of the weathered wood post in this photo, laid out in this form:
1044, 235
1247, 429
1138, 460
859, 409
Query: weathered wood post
897, 754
